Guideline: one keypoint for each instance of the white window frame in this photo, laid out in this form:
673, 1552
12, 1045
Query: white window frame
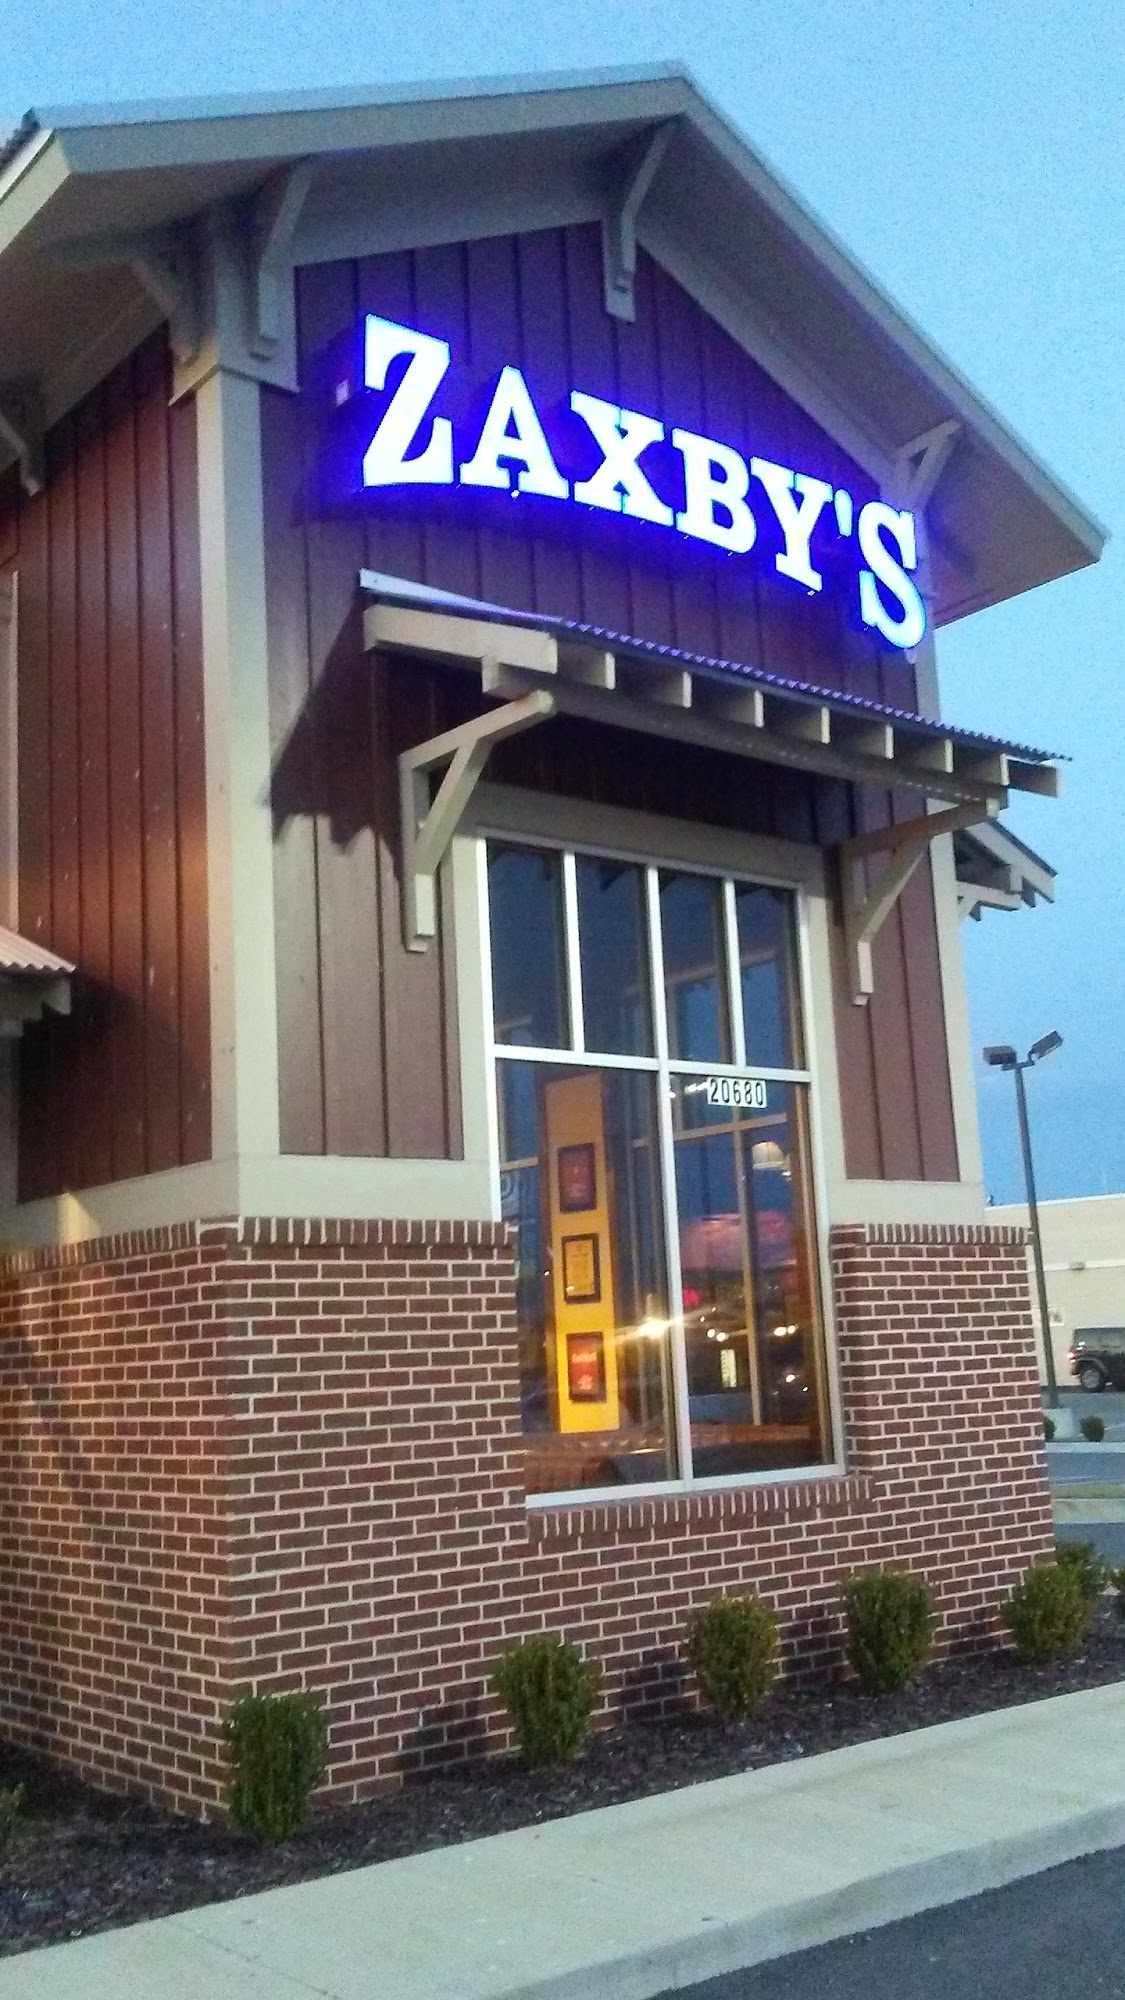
729, 874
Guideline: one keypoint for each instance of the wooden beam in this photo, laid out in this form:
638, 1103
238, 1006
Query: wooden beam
864, 910
427, 826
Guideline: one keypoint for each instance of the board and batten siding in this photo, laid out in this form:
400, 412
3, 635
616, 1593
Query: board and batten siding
112, 833
367, 1031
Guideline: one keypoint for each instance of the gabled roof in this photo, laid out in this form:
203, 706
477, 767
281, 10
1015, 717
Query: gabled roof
507, 154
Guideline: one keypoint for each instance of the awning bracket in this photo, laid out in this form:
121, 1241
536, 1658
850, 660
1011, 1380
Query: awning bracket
864, 909
428, 825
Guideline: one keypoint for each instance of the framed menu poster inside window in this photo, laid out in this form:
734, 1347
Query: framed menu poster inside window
581, 1272
585, 1367
578, 1178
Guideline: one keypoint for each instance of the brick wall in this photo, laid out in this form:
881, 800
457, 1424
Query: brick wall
289, 1454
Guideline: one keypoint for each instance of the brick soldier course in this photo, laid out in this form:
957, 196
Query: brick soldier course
271, 1454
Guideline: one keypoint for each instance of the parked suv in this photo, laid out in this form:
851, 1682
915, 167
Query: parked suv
1097, 1357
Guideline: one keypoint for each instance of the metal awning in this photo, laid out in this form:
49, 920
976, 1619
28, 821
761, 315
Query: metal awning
539, 666
31, 979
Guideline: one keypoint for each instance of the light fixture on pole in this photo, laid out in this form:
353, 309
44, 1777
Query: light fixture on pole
1006, 1058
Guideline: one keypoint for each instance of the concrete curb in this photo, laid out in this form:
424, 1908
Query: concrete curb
863, 1906
632, 1901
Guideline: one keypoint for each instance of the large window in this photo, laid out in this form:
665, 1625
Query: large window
652, 1107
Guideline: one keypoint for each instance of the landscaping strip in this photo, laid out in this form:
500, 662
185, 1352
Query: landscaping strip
80, 1861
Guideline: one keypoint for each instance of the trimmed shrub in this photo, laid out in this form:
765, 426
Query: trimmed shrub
550, 1692
732, 1649
1092, 1573
277, 1746
1046, 1613
1092, 1429
1049, 1429
890, 1616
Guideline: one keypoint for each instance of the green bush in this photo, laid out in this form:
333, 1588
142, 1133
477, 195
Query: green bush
1092, 1429
1049, 1429
12, 1800
1092, 1573
1046, 1613
549, 1691
277, 1747
1118, 1581
732, 1648
890, 1616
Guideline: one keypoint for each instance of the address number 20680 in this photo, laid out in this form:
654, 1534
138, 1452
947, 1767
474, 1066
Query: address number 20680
737, 1093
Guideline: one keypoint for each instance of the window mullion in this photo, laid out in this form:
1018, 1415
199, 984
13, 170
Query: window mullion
573, 954
734, 976
668, 1183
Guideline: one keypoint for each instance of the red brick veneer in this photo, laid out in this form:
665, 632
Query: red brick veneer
288, 1453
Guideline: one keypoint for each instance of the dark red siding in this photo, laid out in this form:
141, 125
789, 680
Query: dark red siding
113, 859
367, 1030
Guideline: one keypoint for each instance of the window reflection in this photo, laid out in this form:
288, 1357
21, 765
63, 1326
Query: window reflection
525, 908
613, 940
755, 1391
580, 1178
767, 972
695, 980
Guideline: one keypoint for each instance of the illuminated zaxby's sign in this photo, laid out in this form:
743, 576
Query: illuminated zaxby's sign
635, 467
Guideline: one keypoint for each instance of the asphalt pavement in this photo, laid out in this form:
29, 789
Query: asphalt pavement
1055, 1936
1076, 1467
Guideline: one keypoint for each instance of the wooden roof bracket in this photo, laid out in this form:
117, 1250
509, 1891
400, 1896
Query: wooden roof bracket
21, 428
863, 910
428, 825
637, 171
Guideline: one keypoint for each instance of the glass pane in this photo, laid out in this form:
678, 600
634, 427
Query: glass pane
768, 973
614, 951
695, 974
528, 958
580, 1178
755, 1361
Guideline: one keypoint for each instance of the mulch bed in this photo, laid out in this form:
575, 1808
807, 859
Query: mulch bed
82, 1861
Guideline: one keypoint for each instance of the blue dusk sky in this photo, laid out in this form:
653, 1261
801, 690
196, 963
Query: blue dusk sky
972, 156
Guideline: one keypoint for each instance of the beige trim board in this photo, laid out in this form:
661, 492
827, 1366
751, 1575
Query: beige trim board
908, 1201
290, 1185
245, 1096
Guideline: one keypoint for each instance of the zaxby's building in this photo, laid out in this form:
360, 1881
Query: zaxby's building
488, 1121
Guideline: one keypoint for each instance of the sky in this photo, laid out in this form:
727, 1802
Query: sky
972, 157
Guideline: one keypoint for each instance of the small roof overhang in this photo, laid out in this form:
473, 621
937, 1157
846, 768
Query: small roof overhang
725, 705
32, 980
997, 871
538, 666
521, 153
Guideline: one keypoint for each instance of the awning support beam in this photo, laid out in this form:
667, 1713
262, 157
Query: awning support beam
865, 910
428, 826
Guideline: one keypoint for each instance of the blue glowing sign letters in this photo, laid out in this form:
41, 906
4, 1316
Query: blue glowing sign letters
414, 445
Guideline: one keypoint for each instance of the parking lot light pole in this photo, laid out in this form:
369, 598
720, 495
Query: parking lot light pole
1006, 1058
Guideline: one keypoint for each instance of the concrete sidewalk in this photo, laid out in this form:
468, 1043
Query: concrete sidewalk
633, 1900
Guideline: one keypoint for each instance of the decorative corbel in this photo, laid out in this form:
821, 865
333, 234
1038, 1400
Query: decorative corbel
164, 262
21, 428
864, 910
272, 219
919, 464
429, 826
637, 169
